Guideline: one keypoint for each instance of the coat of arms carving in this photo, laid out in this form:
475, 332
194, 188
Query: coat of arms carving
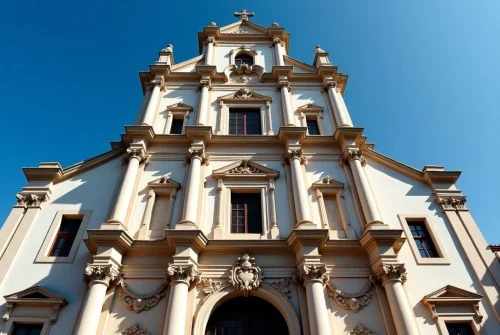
245, 276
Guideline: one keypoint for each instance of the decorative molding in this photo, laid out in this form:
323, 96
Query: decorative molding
244, 49
284, 83
245, 276
281, 285
245, 167
136, 153
156, 83
453, 298
134, 330
351, 301
389, 272
316, 272
184, 273
137, 302
30, 200
360, 330
211, 286
235, 74
355, 154
296, 154
244, 95
205, 83
330, 84
244, 15
197, 153
451, 202
102, 273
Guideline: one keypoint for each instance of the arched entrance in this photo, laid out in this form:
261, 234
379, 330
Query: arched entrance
246, 316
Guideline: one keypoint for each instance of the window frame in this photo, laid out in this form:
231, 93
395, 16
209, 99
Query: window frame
243, 50
9, 325
174, 119
244, 54
443, 257
254, 110
312, 112
245, 215
177, 111
43, 255
469, 322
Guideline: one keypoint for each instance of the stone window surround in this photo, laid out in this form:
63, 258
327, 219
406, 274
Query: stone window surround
265, 115
43, 253
312, 112
9, 325
177, 111
443, 320
443, 257
243, 50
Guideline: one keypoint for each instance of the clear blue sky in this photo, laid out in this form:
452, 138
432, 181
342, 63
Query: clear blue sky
424, 77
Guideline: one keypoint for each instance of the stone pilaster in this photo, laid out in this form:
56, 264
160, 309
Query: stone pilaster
156, 86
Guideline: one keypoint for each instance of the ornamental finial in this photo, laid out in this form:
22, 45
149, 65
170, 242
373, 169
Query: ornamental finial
244, 15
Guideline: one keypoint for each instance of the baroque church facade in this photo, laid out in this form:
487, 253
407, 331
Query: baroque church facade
244, 201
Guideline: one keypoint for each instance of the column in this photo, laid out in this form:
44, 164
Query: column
209, 56
203, 106
392, 276
343, 119
300, 195
370, 208
285, 89
182, 277
278, 51
315, 278
134, 157
99, 278
196, 158
149, 115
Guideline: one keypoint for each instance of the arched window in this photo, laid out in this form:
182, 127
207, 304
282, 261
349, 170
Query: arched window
243, 58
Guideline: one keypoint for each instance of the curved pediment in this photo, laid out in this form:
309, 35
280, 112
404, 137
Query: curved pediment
245, 168
245, 95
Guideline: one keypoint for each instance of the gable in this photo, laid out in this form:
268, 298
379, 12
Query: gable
244, 28
34, 293
244, 94
450, 291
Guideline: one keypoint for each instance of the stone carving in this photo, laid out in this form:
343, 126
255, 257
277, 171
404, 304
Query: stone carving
351, 301
244, 168
157, 82
275, 25
330, 84
197, 153
314, 272
244, 93
136, 153
30, 200
205, 83
213, 24
134, 330
451, 202
244, 15
244, 73
243, 79
296, 154
8, 311
104, 273
137, 302
211, 286
241, 30
389, 272
318, 49
281, 285
184, 273
360, 330
285, 83
355, 154
168, 48
165, 180
245, 276
276, 41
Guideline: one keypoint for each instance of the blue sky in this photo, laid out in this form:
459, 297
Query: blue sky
423, 77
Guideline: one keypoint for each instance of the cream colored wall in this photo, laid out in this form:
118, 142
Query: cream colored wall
302, 95
173, 95
263, 58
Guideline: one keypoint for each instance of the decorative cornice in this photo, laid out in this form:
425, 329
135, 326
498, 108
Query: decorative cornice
453, 297
187, 274
295, 154
351, 301
138, 154
360, 330
451, 202
245, 276
314, 272
284, 83
389, 272
134, 330
137, 302
104, 274
30, 200
197, 153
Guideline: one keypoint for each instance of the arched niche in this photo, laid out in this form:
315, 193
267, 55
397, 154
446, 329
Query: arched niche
279, 301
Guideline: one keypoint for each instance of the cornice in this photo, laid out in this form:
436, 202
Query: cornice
45, 171
118, 239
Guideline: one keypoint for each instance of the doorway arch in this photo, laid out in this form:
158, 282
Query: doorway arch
216, 299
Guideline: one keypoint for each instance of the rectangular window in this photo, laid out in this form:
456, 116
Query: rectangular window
27, 329
422, 239
176, 127
246, 213
459, 329
65, 236
244, 121
312, 127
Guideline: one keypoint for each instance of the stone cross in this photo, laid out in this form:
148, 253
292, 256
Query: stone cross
244, 15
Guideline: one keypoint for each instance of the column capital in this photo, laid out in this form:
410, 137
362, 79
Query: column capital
139, 154
210, 39
187, 274
198, 154
156, 83
314, 272
276, 41
451, 202
26, 200
295, 154
330, 84
389, 272
205, 83
104, 274
352, 154
286, 84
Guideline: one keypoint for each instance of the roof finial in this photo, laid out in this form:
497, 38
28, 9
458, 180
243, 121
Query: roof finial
318, 49
244, 15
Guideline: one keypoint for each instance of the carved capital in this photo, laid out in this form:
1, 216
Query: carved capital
210, 39
452, 202
330, 84
138, 154
187, 274
30, 200
102, 273
197, 154
276, 41
245, 276
205, 83
314, 272
284, 83
296, 154
386, 272
156, 83
355, 154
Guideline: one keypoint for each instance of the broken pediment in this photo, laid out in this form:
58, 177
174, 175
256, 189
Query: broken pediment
245, 167
453, 298
244, 94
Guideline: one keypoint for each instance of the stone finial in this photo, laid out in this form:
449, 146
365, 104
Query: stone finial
213, 24
168, 48
318, 49
275, 25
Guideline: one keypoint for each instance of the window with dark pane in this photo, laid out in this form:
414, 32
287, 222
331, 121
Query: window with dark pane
462, 328
244, 121
422, 239
65, 236
246, 213
27, 329
176, 127
312, 127
240, 59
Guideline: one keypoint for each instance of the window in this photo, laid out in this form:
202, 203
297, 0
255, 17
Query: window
312, 127
422, 239
65, 236
459, 329
176, 127
246, 213
244, 121
243, 58
27, 329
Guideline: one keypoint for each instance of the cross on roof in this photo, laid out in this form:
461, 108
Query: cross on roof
244, 15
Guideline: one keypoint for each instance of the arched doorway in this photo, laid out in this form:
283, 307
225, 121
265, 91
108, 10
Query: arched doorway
246, 316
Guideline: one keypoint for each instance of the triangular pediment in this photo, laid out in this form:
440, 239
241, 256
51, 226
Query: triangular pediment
298, 66
247, 168
164, 182
188, 65
452, 292
179, 107
327, 182
35, 293
311, 107
244, 94
244, 28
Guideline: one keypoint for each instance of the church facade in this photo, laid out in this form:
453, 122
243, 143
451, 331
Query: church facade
244, 201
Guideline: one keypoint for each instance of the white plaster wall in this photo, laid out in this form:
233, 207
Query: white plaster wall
302, 96
263, 58
91, 190
173, 95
